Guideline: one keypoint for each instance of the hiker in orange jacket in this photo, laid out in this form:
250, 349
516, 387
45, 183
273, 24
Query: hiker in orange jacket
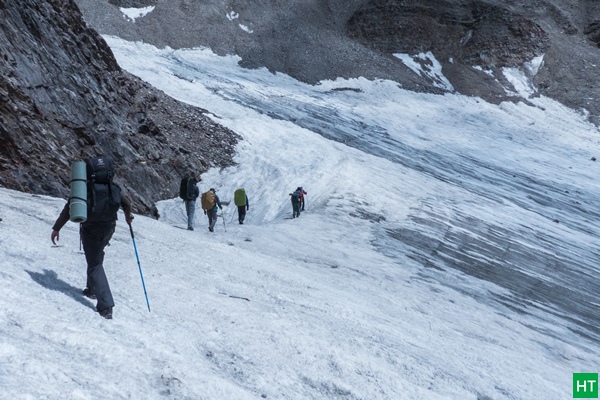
212, 213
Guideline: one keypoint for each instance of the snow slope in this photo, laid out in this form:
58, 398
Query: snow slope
448, 251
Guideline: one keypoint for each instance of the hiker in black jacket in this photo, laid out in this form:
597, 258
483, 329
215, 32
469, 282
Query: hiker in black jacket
190, 203
295, 198
95, 233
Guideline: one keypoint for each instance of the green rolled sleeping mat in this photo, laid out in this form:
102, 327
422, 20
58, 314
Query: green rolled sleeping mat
78, 199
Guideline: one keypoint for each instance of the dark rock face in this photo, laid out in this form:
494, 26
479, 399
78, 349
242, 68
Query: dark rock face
593, 32
474, 33
312, 40
460, 34
63, 97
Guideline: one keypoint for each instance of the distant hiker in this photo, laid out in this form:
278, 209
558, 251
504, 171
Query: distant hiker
295, 198
211, 205
104, 198
302, 192
241, 201
189, 192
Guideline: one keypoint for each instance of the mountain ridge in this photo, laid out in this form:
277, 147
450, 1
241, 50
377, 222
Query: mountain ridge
322, 40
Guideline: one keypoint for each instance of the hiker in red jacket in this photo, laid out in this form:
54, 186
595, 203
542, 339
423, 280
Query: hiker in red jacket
302, 192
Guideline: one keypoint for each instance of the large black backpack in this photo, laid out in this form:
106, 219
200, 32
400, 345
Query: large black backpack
104, 196
186, 188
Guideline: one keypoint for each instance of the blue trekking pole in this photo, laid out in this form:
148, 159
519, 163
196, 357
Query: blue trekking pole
139, 266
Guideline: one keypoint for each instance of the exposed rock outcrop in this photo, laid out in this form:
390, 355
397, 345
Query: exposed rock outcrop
461, 35
593, 32
474, 33
63, 97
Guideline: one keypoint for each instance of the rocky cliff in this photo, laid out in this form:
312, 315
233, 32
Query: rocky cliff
63, 97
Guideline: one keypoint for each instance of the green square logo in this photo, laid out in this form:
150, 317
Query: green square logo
585, 385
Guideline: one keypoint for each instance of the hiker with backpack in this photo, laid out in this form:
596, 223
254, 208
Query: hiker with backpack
295, 198
211, 205
189, 192
104, 198
241, 201
301, 192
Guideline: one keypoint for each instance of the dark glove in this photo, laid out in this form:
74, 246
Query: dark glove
248, 207
53, 236
129, 219
204, 212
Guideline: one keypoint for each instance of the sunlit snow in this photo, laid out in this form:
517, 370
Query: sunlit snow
246, 28
232, 15
134, 13
426, 64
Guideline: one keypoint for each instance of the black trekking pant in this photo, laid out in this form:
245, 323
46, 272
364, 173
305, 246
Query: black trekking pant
241, 214
295, 210
212, 217
95, 237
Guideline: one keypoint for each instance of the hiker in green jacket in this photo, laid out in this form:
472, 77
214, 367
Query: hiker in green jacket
241, 201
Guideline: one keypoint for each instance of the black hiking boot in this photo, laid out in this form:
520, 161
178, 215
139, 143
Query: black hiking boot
88, 293
106, 313
210, 228
190, 228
